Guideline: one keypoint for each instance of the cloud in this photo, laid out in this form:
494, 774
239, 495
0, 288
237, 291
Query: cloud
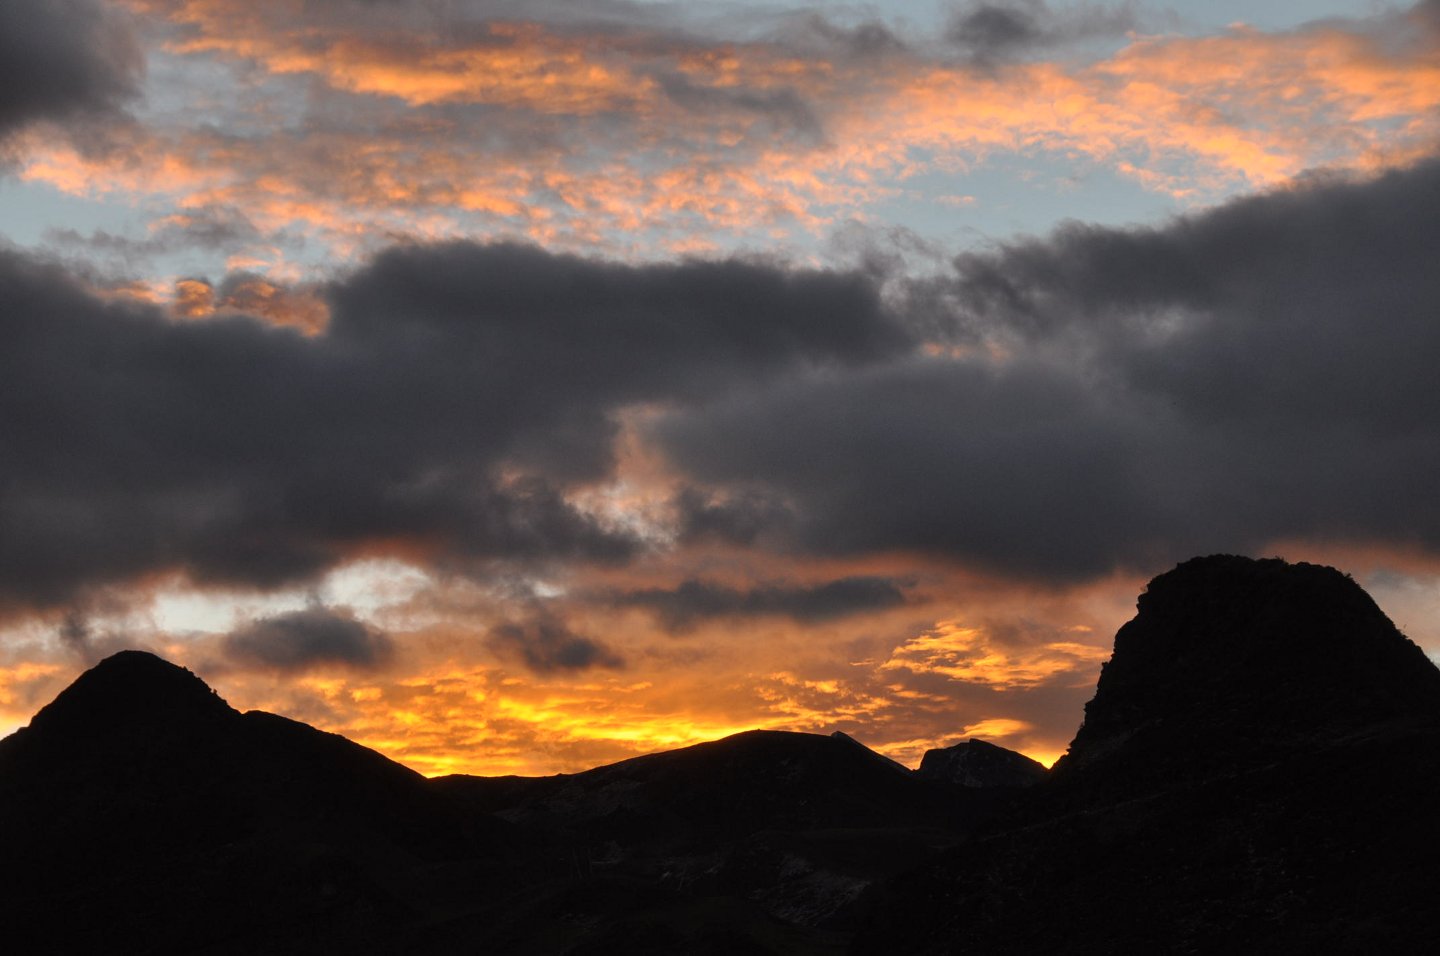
970, 655
546, 645
1125, 398
211, 228
623, 128
991, 31
988, 28
315, 637
681, 607
63, 60
868, 39
739, 517
456, 396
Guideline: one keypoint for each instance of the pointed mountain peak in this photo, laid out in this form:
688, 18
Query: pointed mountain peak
130, 688
1230, 657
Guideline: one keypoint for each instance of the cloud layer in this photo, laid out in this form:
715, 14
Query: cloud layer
630, 130
1119, 398
64, 60
1261, 372
456, 394
679, 608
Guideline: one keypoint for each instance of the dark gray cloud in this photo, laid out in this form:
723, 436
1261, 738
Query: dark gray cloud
63, 59
787, 113
1260, 372
315, 637
996, 30
546, 645
1019, 469
79, 635
868, 39
682, 607
458, 391
739, 517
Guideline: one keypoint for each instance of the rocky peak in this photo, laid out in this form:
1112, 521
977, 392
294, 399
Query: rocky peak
131, 689
1230, 656
977, 763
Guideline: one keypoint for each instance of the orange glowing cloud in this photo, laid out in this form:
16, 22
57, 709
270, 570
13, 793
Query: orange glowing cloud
1180, 114
474, 718
964, 654
194, 299
635, 140
253, 295
449, 705
140, 166
299, 307
515, 65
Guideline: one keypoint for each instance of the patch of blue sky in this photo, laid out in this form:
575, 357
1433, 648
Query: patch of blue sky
1211, 15
1015, 194
31, 211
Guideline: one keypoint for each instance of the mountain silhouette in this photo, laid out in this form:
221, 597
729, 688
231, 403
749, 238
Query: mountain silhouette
143, 814
1230, 658
142, 800
798, 823
977, 763
132, 690
1255, 773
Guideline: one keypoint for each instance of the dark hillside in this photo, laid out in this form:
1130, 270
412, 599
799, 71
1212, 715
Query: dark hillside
1256, 773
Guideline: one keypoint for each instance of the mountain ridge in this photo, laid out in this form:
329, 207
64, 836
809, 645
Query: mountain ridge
1223, 791
1194, 811
1229, 655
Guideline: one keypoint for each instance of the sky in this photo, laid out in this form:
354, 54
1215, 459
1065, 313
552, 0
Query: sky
519, 387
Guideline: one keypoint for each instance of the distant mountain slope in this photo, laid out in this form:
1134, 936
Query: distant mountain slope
140, 813
760, 779
976, 763
800, 823
1257, 773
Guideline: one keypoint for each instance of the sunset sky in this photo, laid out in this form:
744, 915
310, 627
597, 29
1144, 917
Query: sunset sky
515, 387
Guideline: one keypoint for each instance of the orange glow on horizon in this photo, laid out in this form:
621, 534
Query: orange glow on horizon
444, 726
454, 717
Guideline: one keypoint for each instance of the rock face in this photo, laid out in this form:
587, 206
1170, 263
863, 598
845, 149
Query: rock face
1256, 773
1231, 658
976, 763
